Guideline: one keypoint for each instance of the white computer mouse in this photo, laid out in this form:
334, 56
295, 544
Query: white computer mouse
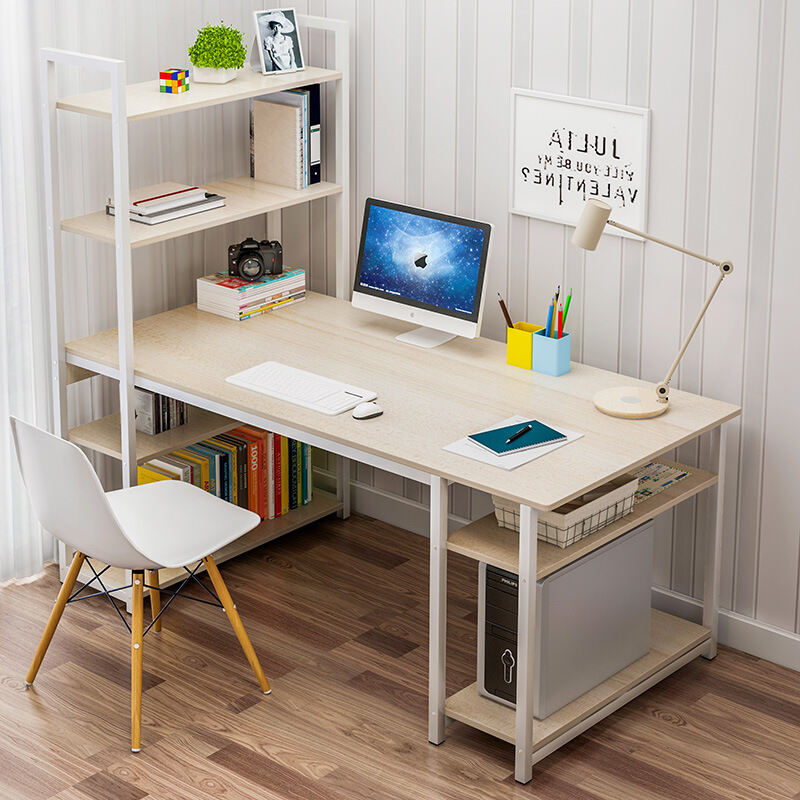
367, 411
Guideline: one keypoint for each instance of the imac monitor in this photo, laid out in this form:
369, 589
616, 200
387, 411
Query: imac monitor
422, 267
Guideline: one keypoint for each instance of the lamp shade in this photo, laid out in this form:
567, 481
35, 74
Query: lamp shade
591, 224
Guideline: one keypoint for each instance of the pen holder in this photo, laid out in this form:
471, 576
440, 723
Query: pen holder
519, 344
550, 356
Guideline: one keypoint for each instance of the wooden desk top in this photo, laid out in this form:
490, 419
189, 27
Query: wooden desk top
430, 397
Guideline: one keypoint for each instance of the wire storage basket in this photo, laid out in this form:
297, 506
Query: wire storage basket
580, 517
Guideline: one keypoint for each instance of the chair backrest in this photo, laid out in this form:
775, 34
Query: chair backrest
68, 498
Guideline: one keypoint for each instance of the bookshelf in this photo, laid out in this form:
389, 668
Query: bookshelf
123, 104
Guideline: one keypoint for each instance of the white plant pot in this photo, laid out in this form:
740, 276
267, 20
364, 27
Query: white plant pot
209, 75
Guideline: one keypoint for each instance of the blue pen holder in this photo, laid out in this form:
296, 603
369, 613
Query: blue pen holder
551, 356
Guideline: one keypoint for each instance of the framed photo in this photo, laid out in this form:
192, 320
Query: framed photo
565, 150
277, 40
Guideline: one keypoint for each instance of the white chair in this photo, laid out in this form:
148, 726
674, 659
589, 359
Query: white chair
162, 524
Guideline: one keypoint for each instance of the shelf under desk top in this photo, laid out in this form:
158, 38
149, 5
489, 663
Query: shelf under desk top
244, 198
145, 101
430, 397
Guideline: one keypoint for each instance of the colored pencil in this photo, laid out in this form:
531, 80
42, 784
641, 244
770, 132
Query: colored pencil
560, 321
549, 320
503, 308
566, 306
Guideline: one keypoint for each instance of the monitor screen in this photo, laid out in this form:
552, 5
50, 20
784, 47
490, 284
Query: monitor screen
423, 259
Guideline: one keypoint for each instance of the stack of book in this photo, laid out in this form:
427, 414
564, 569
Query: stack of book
262, 471
168, 201
239, 299
156, 413
286, 138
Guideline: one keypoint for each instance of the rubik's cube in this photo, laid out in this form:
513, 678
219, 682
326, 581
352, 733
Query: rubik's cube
173, 81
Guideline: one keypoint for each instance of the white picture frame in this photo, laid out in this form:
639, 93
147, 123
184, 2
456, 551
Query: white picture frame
574, 149
289, 50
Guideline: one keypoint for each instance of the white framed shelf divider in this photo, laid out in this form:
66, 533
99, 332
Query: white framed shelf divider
122, 104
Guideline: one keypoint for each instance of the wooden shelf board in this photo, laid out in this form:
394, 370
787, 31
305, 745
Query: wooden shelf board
145, 101
103, 435
484, 540
323, 504
670, 638
244, 197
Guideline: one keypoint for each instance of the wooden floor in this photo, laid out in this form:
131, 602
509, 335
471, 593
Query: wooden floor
338, 615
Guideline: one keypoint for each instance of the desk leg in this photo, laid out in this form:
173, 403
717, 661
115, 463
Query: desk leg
714, 544
437, 625
526, 639
343, 485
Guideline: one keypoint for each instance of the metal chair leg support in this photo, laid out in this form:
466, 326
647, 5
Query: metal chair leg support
55, 616
236, 622
136, 660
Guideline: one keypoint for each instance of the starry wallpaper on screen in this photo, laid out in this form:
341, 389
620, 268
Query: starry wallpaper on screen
395, 239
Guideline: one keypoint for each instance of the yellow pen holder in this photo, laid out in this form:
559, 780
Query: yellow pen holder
519, 344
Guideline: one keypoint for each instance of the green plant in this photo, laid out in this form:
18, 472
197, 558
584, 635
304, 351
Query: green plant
218, 47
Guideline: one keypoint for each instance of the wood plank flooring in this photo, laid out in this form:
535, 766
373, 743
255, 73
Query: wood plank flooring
338, 615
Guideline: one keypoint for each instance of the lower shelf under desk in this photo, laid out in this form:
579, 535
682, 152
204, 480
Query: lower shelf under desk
672, 639
323, 504
484, 540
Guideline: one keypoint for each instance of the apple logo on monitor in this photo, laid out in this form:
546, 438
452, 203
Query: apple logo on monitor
420, 260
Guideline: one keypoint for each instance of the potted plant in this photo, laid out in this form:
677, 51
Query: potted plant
217, 54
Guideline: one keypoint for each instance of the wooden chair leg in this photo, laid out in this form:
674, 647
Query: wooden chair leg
137, 625
236, 622
55, 615
155, 598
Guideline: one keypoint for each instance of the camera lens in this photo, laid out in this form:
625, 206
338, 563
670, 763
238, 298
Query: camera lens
251, 267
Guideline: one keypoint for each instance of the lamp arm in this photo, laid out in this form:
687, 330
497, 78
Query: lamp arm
663, 388
666, 244
725, 268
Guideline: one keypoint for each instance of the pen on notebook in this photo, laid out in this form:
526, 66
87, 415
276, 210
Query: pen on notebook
521, 432
505, 311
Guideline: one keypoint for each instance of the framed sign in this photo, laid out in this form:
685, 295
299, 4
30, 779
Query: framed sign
567, 149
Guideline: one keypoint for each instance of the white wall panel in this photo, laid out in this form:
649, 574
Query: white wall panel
430, 118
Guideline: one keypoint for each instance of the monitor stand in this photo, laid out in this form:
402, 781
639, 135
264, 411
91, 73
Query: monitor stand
425, 337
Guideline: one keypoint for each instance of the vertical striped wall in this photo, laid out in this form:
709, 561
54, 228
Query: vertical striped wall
430, 121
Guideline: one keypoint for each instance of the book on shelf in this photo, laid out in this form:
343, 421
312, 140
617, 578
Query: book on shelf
286, 138
238, 299
250, 467
156, 413
167, 201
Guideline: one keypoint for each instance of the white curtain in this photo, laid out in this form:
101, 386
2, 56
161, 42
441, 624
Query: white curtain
24, 547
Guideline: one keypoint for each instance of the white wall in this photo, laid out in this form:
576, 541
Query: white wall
430, 111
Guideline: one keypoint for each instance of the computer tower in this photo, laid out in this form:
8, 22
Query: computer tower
592, 620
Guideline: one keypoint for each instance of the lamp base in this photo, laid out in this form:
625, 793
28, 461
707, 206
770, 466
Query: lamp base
630, 402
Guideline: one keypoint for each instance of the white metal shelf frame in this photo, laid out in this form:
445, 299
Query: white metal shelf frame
115, 69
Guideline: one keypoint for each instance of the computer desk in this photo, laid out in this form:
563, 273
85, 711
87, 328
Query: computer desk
431, 398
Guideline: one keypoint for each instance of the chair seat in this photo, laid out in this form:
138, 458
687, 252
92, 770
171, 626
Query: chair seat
173, 523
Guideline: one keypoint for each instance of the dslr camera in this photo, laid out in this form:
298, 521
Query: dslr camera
251, 260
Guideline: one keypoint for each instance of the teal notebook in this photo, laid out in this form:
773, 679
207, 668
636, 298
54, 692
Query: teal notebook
495, 440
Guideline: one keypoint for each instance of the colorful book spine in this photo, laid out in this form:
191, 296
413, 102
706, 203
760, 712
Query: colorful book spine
292, 476
269, 478
284, 473
307, 474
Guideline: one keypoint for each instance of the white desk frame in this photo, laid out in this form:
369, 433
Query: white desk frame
124, 373
524, 757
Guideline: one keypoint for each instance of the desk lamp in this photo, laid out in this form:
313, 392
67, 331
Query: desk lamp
635, 402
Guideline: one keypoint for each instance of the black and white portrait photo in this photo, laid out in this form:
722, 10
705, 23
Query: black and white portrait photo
278, 40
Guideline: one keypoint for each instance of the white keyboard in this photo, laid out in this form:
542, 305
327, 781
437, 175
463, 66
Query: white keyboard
301, 388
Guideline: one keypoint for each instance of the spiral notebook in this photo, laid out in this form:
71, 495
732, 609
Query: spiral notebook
496, 439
